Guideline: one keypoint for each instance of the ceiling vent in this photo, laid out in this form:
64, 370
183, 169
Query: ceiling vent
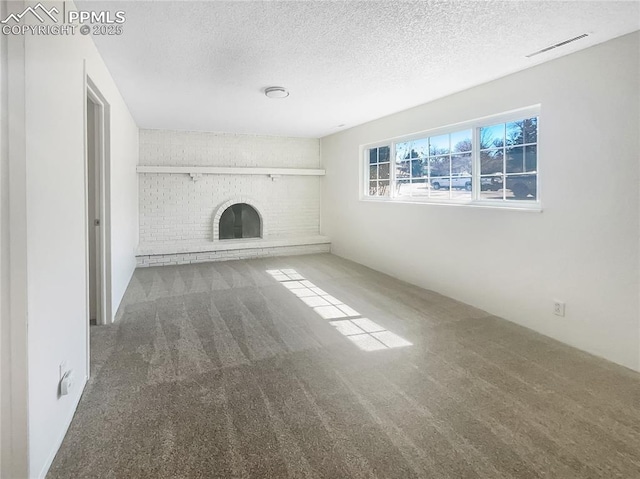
557, 45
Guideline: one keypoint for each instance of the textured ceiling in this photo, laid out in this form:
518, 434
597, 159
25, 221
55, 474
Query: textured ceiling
203, 65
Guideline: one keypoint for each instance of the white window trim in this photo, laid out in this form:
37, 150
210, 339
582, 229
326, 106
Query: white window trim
475, 201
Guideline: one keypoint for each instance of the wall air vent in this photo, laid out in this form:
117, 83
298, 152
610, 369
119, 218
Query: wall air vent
561, 44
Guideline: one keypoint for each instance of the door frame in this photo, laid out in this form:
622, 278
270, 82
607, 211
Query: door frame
103, 233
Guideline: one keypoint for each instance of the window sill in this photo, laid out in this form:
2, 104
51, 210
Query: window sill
531, 206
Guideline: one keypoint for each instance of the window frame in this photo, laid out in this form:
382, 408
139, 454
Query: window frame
377, 164
475, 201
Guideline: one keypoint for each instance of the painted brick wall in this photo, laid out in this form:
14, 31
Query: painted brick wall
174, 208
204, 257
189, 148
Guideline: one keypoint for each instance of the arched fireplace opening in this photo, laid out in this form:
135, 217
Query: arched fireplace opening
240, 221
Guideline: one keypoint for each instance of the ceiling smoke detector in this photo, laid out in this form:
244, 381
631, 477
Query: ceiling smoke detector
276, 92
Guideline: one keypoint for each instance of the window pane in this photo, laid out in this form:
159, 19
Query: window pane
490, 186
461, 141
417, 168
515, 159
440, 187
440, 182
491, 183
461, 187
492, 136
439, 145
421, 183
383, 154
403, 188
420, 189
411, 149
373, 155
373, 188
414, 188
491, 162
531, 158
424, 168
403, 151
383, 171
531, 130
523, 187
461, 164
373, 172
460, 182
515, 133
440, 166
421, 147
383, 188
403, 169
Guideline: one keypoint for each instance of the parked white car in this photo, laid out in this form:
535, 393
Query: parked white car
461, 181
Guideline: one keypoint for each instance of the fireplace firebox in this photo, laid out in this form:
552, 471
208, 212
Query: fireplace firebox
240, 221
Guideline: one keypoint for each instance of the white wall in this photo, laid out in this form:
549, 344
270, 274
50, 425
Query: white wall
124, 190
13, 282
582, 249
5, 404
55, 224
175, 209
5, 358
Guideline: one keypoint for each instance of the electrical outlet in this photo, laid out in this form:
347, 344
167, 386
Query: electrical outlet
558, 308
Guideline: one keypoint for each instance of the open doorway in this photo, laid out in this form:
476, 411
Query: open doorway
94, 206
97, 207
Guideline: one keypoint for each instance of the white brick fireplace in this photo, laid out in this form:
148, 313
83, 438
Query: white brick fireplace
188, 179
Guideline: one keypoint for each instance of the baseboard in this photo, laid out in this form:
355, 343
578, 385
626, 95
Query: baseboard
56, 447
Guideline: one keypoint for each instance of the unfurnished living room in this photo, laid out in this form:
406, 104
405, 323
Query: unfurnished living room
320, 239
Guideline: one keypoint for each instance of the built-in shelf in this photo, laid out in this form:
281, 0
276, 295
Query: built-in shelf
229, 170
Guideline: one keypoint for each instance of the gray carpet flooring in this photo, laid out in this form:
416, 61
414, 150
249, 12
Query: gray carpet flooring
313, 366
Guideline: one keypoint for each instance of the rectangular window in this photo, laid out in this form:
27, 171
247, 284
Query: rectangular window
490, 161
379, 171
